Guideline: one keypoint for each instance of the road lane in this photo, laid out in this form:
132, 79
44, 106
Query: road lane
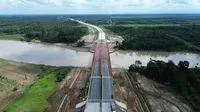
94, 99
107, 87
94, 93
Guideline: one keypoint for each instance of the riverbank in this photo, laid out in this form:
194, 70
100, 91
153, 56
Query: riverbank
39, 92
19, 81
53, 55
16, 77
86, 48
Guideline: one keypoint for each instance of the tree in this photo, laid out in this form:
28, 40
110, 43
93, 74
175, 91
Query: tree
80, 43
183, 64
15, 89
138, 63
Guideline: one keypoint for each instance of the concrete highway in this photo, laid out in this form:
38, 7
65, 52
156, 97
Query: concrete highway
101, 80
106, 78
102, 35
94, 93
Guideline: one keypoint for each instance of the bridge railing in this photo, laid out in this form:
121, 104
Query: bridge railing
92, 68
109, 58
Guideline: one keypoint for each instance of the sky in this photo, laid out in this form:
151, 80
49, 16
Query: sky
98, 6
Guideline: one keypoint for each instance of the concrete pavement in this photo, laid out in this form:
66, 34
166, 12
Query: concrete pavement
101, 80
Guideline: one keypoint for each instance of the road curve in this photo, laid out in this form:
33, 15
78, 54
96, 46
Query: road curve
102, 35
101, 80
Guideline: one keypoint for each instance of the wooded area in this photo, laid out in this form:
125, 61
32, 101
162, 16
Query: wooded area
167, 38
44, 28
161, 32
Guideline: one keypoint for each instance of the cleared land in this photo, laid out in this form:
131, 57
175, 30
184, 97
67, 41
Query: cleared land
123, 91
71, 91
15, 77
139, 25
35, 98
159, 97
12, 36
143, 95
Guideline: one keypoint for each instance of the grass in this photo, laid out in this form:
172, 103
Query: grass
35, 98
12, 36
6, 84
140, 25
148, 25
12, 74
85, 46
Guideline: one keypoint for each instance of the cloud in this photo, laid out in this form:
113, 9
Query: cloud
101, 6
100, 2
44, 2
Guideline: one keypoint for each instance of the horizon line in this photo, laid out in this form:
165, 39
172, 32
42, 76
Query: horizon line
109, 14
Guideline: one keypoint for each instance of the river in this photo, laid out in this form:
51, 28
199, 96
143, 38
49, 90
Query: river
126, 58
48, 54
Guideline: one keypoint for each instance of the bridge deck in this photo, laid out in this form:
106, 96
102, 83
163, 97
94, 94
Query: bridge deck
94, 93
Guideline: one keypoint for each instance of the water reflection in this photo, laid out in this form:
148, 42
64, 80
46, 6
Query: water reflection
126, 58
43, 54
57, 56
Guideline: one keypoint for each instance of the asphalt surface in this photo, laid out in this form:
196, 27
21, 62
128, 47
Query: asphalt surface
94, 93
101, 72
107, 89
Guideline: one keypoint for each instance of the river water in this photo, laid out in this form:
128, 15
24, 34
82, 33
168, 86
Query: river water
43, 54
126, 58
39, 53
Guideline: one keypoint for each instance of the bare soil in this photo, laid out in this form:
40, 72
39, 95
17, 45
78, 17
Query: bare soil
123, 92
159, 98
70, 87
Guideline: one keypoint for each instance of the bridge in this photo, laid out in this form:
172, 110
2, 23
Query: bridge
100, 94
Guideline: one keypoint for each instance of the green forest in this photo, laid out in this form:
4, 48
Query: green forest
44, 28
163, 38
159, 32
180, 78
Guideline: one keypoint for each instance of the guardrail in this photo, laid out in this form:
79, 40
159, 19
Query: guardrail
92, 68
109, 58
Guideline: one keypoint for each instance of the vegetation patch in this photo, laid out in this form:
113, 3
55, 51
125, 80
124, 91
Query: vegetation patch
8, 87
139, 25
84, 90
12, 37
80, 43
181, 79
35, 98
148, 25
